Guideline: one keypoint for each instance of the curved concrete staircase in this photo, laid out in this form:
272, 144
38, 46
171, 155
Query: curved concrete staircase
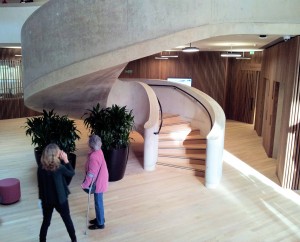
74, 51
181, 146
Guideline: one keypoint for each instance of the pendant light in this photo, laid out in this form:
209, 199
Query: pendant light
190, 49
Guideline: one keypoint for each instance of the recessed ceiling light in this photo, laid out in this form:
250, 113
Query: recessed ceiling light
243, 58
161, 58
169, 56
231, 54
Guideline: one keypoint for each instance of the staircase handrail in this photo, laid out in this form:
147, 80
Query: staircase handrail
190, 95
161, 119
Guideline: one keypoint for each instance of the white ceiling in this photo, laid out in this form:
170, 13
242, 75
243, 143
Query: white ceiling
236, 43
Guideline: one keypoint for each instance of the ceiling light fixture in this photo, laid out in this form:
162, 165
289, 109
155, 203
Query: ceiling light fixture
190, 49
243, 57
231, 54
168, 55
161, 58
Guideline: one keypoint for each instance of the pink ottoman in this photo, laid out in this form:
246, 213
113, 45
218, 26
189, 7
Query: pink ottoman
10, 190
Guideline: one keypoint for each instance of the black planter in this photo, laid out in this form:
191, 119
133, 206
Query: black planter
37, 155
116, 161
71, 158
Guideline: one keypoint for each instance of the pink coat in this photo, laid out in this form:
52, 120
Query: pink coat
95, 162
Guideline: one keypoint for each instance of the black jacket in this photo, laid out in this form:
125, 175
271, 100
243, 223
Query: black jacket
53, 188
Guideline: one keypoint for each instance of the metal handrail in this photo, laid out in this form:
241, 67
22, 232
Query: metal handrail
161, 118
175, 87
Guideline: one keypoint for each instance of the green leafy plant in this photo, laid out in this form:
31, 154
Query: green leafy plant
113, 124
52, 128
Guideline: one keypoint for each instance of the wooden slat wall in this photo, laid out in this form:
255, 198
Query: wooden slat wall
291, 176
288, 163
207, 70
281, 65
216, 76
243, 76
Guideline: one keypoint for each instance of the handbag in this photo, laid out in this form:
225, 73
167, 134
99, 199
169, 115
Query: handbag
92, 187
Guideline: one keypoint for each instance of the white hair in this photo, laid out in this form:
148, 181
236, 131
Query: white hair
95, 142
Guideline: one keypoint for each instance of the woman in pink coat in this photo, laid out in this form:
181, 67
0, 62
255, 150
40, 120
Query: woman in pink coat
96, 169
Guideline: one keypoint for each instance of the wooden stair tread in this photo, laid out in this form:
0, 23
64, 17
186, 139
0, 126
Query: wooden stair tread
181, 160
186, 132
181, 135
182, 151
180, 145
185, 170
182, 142
170, 115
190, 167
178, 127
189, 156
174, 120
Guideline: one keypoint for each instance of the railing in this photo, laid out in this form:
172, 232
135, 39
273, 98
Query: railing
190, 95
161, 117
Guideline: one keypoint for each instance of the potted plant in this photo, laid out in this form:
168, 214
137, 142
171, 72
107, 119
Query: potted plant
113, 124
52, 128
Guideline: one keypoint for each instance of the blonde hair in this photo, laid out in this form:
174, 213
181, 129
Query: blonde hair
50, 157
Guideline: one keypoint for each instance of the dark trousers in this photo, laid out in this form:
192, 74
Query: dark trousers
64, 211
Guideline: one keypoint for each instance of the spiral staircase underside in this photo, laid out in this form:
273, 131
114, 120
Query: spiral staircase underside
75, 96
74, 51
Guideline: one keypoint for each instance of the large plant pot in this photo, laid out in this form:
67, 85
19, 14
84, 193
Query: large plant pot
116, 161
37, 155
71, 158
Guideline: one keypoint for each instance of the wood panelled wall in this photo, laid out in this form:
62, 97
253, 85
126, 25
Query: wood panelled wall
10, 54
265, 89
241, 92
279, 109
15, 108
206, 69
232, 83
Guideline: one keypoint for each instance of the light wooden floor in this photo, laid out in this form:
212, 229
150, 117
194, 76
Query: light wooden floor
159, 206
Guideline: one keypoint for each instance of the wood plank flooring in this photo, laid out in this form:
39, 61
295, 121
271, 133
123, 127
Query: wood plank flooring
163, 205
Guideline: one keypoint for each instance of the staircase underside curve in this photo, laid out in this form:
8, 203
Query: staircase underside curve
74, 51
76, 95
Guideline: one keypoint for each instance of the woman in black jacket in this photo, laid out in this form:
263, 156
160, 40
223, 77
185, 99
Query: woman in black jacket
53, 189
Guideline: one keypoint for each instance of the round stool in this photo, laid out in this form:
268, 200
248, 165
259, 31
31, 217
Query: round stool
10, 190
